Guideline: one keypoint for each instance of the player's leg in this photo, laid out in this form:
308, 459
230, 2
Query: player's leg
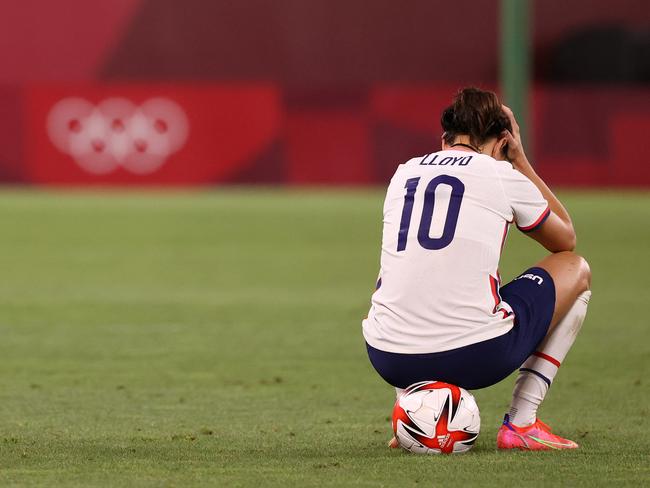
571, 276
572, 279
393, 444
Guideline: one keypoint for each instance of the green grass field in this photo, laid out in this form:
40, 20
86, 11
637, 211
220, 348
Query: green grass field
213, 339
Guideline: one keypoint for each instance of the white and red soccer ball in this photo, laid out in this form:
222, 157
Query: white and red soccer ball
433, 417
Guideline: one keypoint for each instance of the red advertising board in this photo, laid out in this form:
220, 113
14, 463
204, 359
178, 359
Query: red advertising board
158, 135
205, 134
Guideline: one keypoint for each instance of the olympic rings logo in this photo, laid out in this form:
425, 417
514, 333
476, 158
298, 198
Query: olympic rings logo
117, 133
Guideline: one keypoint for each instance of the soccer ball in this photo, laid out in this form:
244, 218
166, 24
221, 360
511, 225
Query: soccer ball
433, 417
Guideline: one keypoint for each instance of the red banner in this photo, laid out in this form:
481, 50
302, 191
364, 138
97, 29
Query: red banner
156, 135
137, 134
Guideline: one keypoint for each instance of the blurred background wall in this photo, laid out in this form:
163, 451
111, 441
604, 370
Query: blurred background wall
200, 92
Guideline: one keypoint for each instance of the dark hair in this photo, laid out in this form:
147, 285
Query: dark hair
476, 113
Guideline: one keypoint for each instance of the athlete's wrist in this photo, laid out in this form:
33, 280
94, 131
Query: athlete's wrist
522, 165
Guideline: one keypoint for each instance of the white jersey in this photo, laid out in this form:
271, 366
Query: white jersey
446, 218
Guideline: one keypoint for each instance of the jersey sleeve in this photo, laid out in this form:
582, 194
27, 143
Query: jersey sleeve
529, 207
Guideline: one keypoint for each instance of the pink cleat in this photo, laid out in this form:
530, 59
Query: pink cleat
536, 437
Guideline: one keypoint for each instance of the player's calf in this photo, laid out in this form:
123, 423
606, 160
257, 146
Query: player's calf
539, 370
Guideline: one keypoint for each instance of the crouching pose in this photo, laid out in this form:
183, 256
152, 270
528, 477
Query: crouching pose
439, 311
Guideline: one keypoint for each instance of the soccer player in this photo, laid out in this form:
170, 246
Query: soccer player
439, 311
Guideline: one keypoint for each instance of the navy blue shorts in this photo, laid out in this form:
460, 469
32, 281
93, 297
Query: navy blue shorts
484, 363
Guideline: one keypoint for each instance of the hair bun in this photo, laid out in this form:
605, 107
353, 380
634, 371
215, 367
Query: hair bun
476, 113
448, 119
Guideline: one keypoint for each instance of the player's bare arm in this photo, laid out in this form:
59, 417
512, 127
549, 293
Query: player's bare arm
557, 234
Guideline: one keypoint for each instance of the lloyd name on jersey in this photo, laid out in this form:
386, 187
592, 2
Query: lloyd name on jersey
446, 218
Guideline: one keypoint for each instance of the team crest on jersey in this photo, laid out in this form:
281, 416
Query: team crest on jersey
531, 276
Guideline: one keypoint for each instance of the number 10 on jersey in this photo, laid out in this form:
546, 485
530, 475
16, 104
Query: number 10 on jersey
451, 219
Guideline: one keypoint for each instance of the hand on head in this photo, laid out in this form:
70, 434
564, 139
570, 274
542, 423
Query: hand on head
509, 145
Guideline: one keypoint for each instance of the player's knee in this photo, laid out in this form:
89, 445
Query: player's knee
584, 272
579, 268
587, 272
